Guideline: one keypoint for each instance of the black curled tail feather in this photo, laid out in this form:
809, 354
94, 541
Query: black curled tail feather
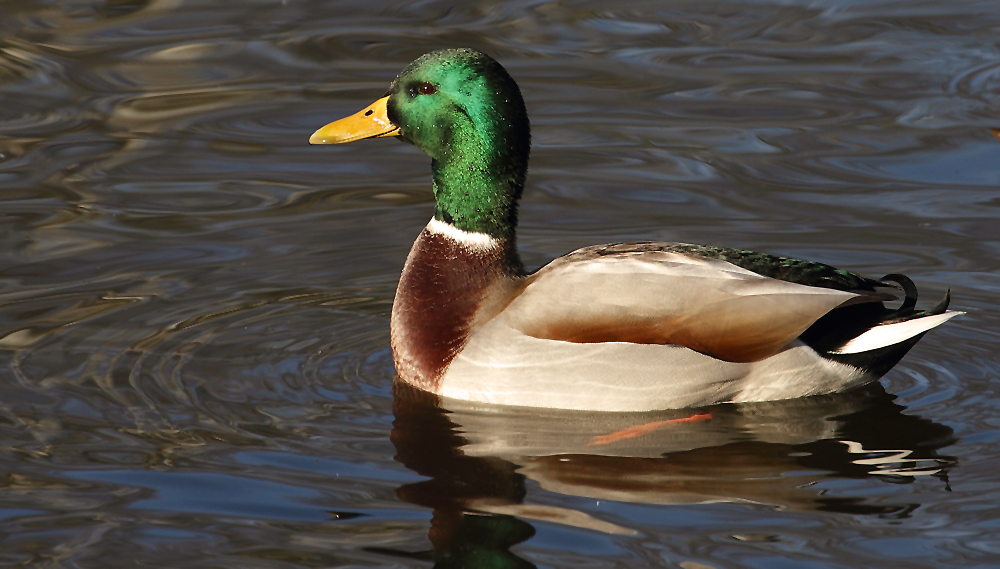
909, 289
906, 310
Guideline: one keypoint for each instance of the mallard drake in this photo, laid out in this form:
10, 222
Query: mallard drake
621, 327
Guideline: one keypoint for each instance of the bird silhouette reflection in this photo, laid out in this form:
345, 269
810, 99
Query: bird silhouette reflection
479, 457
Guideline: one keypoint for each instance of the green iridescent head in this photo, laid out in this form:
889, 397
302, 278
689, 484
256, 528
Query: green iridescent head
462, 108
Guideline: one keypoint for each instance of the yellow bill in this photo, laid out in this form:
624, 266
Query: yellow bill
370, 122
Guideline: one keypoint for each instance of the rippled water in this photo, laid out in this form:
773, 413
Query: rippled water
194, 363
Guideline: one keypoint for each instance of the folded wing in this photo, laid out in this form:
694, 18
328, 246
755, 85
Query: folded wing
661, 297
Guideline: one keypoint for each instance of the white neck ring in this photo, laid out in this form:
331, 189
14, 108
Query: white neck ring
471, 239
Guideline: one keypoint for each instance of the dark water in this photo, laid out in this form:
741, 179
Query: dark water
194, 363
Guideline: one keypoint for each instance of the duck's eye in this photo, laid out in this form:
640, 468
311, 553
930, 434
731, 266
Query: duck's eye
426, 89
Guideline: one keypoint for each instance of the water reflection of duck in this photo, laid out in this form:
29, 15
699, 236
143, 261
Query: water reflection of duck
479, 457
626, 327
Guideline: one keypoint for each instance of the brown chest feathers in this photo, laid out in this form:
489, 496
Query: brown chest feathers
446, 286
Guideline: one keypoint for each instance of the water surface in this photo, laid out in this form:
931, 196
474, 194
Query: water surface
194, 362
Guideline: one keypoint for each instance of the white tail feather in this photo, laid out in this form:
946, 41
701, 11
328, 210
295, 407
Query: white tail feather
889, 334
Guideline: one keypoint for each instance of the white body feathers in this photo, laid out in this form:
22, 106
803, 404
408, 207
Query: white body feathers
747, 322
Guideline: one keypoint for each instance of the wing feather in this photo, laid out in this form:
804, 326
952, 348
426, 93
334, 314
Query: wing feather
656, 297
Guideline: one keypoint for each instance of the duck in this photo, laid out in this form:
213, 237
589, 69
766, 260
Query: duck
620, 327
